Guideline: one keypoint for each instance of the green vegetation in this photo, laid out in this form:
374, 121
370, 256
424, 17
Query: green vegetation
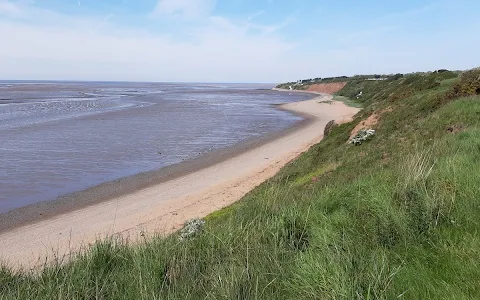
395, 88
303, 84
394, 218
379, 83
348, 101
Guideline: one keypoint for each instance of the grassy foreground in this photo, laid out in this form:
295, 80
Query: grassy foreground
394, 218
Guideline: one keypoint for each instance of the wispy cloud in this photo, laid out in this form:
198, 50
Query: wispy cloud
47, 44
188, 9
271, 28
197, 40
408, 14
9, 8
256, 15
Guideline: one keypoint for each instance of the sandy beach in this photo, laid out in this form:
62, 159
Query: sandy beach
164, 207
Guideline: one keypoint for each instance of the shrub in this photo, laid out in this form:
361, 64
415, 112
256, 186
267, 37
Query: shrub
421, 82
395, 77
469, 85
401, 94
445, 74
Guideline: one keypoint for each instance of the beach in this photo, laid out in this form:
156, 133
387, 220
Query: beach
162, 207
64, 138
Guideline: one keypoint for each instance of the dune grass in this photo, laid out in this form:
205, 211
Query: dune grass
394, 218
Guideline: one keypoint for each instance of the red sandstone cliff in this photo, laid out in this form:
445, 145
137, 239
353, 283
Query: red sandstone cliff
327, 88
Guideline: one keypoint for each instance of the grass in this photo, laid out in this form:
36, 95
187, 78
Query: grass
348, 101
314, 175
394, 218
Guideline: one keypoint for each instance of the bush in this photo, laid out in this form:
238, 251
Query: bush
445, 74
469, 85
421, 82
395, 77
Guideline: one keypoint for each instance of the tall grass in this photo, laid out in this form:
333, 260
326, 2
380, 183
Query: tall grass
394, 218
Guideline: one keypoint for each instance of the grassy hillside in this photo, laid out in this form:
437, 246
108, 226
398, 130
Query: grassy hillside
394, 218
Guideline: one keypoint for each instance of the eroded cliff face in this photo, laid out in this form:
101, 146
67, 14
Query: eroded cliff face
327, 88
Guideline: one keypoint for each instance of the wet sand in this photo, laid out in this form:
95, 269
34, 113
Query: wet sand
160, 202
45, 210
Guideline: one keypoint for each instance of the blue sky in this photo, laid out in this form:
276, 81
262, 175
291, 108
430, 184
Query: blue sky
233, 40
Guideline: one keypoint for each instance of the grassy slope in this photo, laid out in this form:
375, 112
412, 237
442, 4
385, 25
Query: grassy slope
396, 217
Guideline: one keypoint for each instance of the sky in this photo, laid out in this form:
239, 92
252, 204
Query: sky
233, 40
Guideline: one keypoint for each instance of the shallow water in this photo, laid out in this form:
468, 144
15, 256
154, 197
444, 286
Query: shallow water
59, 138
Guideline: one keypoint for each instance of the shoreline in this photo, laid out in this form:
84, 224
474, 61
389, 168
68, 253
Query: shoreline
160, 202
106, 191
299, 91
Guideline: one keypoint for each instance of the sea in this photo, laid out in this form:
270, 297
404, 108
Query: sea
58, 138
